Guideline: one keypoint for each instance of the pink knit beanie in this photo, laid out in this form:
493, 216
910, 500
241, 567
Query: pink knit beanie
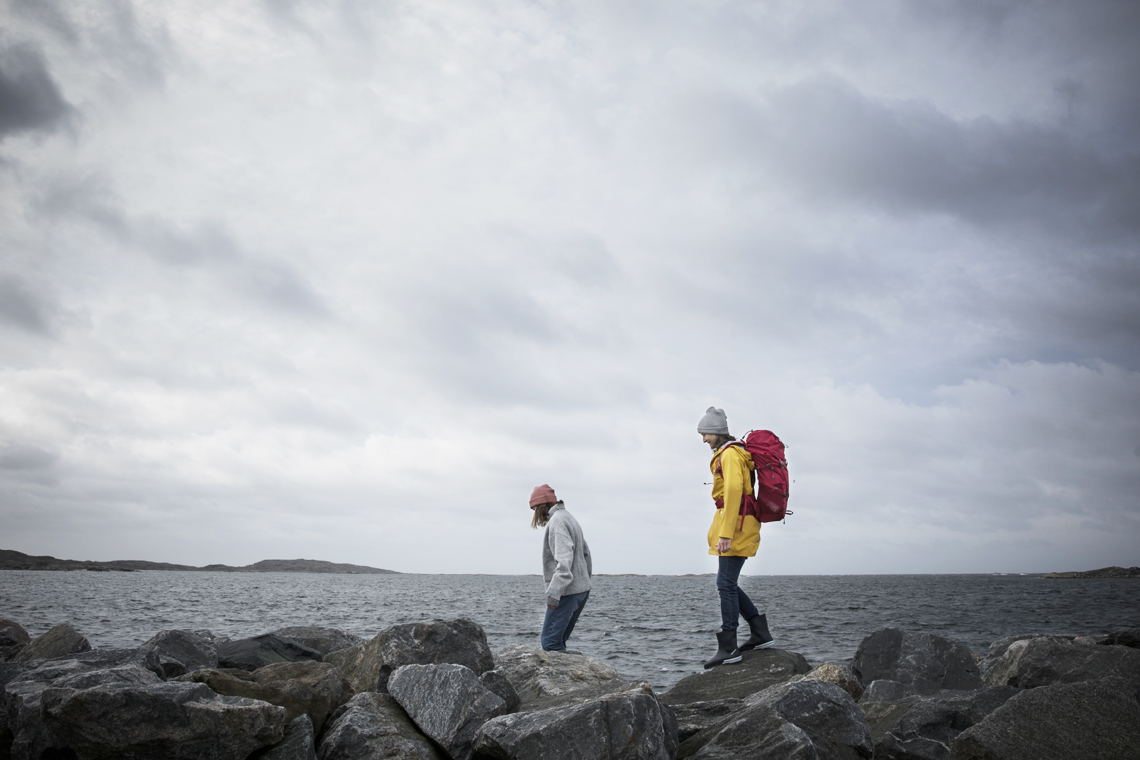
542, 494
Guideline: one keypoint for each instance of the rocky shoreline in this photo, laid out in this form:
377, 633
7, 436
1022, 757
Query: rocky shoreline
1104, 572
435, 690
13, 560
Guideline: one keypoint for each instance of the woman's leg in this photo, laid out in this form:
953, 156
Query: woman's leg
747, 608
727, 574
574, 618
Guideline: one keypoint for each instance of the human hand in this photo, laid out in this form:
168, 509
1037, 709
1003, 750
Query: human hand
552, 606
723, 545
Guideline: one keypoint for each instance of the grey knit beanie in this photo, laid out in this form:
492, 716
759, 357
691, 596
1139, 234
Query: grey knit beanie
715, 421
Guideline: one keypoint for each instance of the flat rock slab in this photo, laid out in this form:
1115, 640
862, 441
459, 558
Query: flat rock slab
299, 743
1089, 720
1042, 661
447, 702
760, 669
921, 728
314, 689
259, 651
372, 726
181, 652
173, 721
59, 641
923, 661
629, 725
458, 642
320, 638
810, 719
552, 679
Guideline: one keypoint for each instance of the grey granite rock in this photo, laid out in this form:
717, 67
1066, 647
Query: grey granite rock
308, 688
13, 638
320, 638
999, 647
372, 726
259, 651
181, 652
806, 719
759, 669
1129, 638
1087, 720
921, 728
629, 725
160, 721
496, 681
447, 702
923, 661
551, 679
1041, 661
59, 641
460, 642
697, 716
840, 675
298, 744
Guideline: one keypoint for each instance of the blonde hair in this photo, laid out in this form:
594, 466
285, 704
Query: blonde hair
542, 514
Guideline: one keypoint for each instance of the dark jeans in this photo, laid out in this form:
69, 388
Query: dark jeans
734, 602
559, 622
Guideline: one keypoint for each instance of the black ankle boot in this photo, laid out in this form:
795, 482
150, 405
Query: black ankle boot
760, 638
726, 652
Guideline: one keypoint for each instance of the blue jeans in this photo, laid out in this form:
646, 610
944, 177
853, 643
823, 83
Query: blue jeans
559, 622
734, 602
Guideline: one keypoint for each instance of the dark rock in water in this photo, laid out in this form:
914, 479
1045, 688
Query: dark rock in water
459, 642
59, 641
497, 682
631, 725
840, 675
259, 651
1129, 638
13, 638
809, 719
298, 744
322, 639
370, 726
552, 679
164, 720
921, 728
1029, 663
1090, 720
760, 669
447, 702
922, 661
697, 716
315, 689
181, 652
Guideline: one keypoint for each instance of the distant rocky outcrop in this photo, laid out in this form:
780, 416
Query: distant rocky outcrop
1104, 572
13, 560
909, 695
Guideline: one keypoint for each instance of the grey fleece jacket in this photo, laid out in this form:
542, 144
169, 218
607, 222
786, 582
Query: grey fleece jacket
566, 563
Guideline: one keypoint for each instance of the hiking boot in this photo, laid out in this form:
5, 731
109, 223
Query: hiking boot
726, 652
760, 638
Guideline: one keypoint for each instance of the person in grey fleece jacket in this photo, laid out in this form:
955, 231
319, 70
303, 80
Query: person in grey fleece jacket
566, 567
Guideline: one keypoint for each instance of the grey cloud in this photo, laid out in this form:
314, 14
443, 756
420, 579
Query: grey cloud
22, 307
22, 457
30, 100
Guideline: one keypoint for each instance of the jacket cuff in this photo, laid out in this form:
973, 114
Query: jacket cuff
552, 602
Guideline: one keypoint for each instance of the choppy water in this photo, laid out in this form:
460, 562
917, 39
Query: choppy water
657, 628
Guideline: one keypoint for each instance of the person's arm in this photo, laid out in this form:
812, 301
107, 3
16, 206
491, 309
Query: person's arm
563, 550
734, 472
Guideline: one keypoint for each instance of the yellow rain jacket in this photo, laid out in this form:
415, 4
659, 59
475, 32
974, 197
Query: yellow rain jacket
731, 468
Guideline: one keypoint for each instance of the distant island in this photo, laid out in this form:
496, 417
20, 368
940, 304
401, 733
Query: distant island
1104, 572
13, 560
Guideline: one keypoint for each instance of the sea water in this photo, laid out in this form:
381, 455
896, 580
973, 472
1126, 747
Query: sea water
655, 628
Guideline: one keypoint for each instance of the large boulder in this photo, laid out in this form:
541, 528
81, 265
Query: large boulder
373, 726
181, 652
299, 743
922, 661
1129, 638
840, 675
549, 679
921, 728
160, 721
808, 720
628, 725
259, 651
1029, 663
759, 669
315, 689
59, 641
322, 639
999, 647
447, 702
13, 638
497, 682
459, 642
694, 717
1088, 720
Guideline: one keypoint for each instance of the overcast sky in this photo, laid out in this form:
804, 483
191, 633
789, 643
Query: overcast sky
344, 280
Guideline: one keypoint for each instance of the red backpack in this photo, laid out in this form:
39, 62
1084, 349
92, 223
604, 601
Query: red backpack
769, 502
